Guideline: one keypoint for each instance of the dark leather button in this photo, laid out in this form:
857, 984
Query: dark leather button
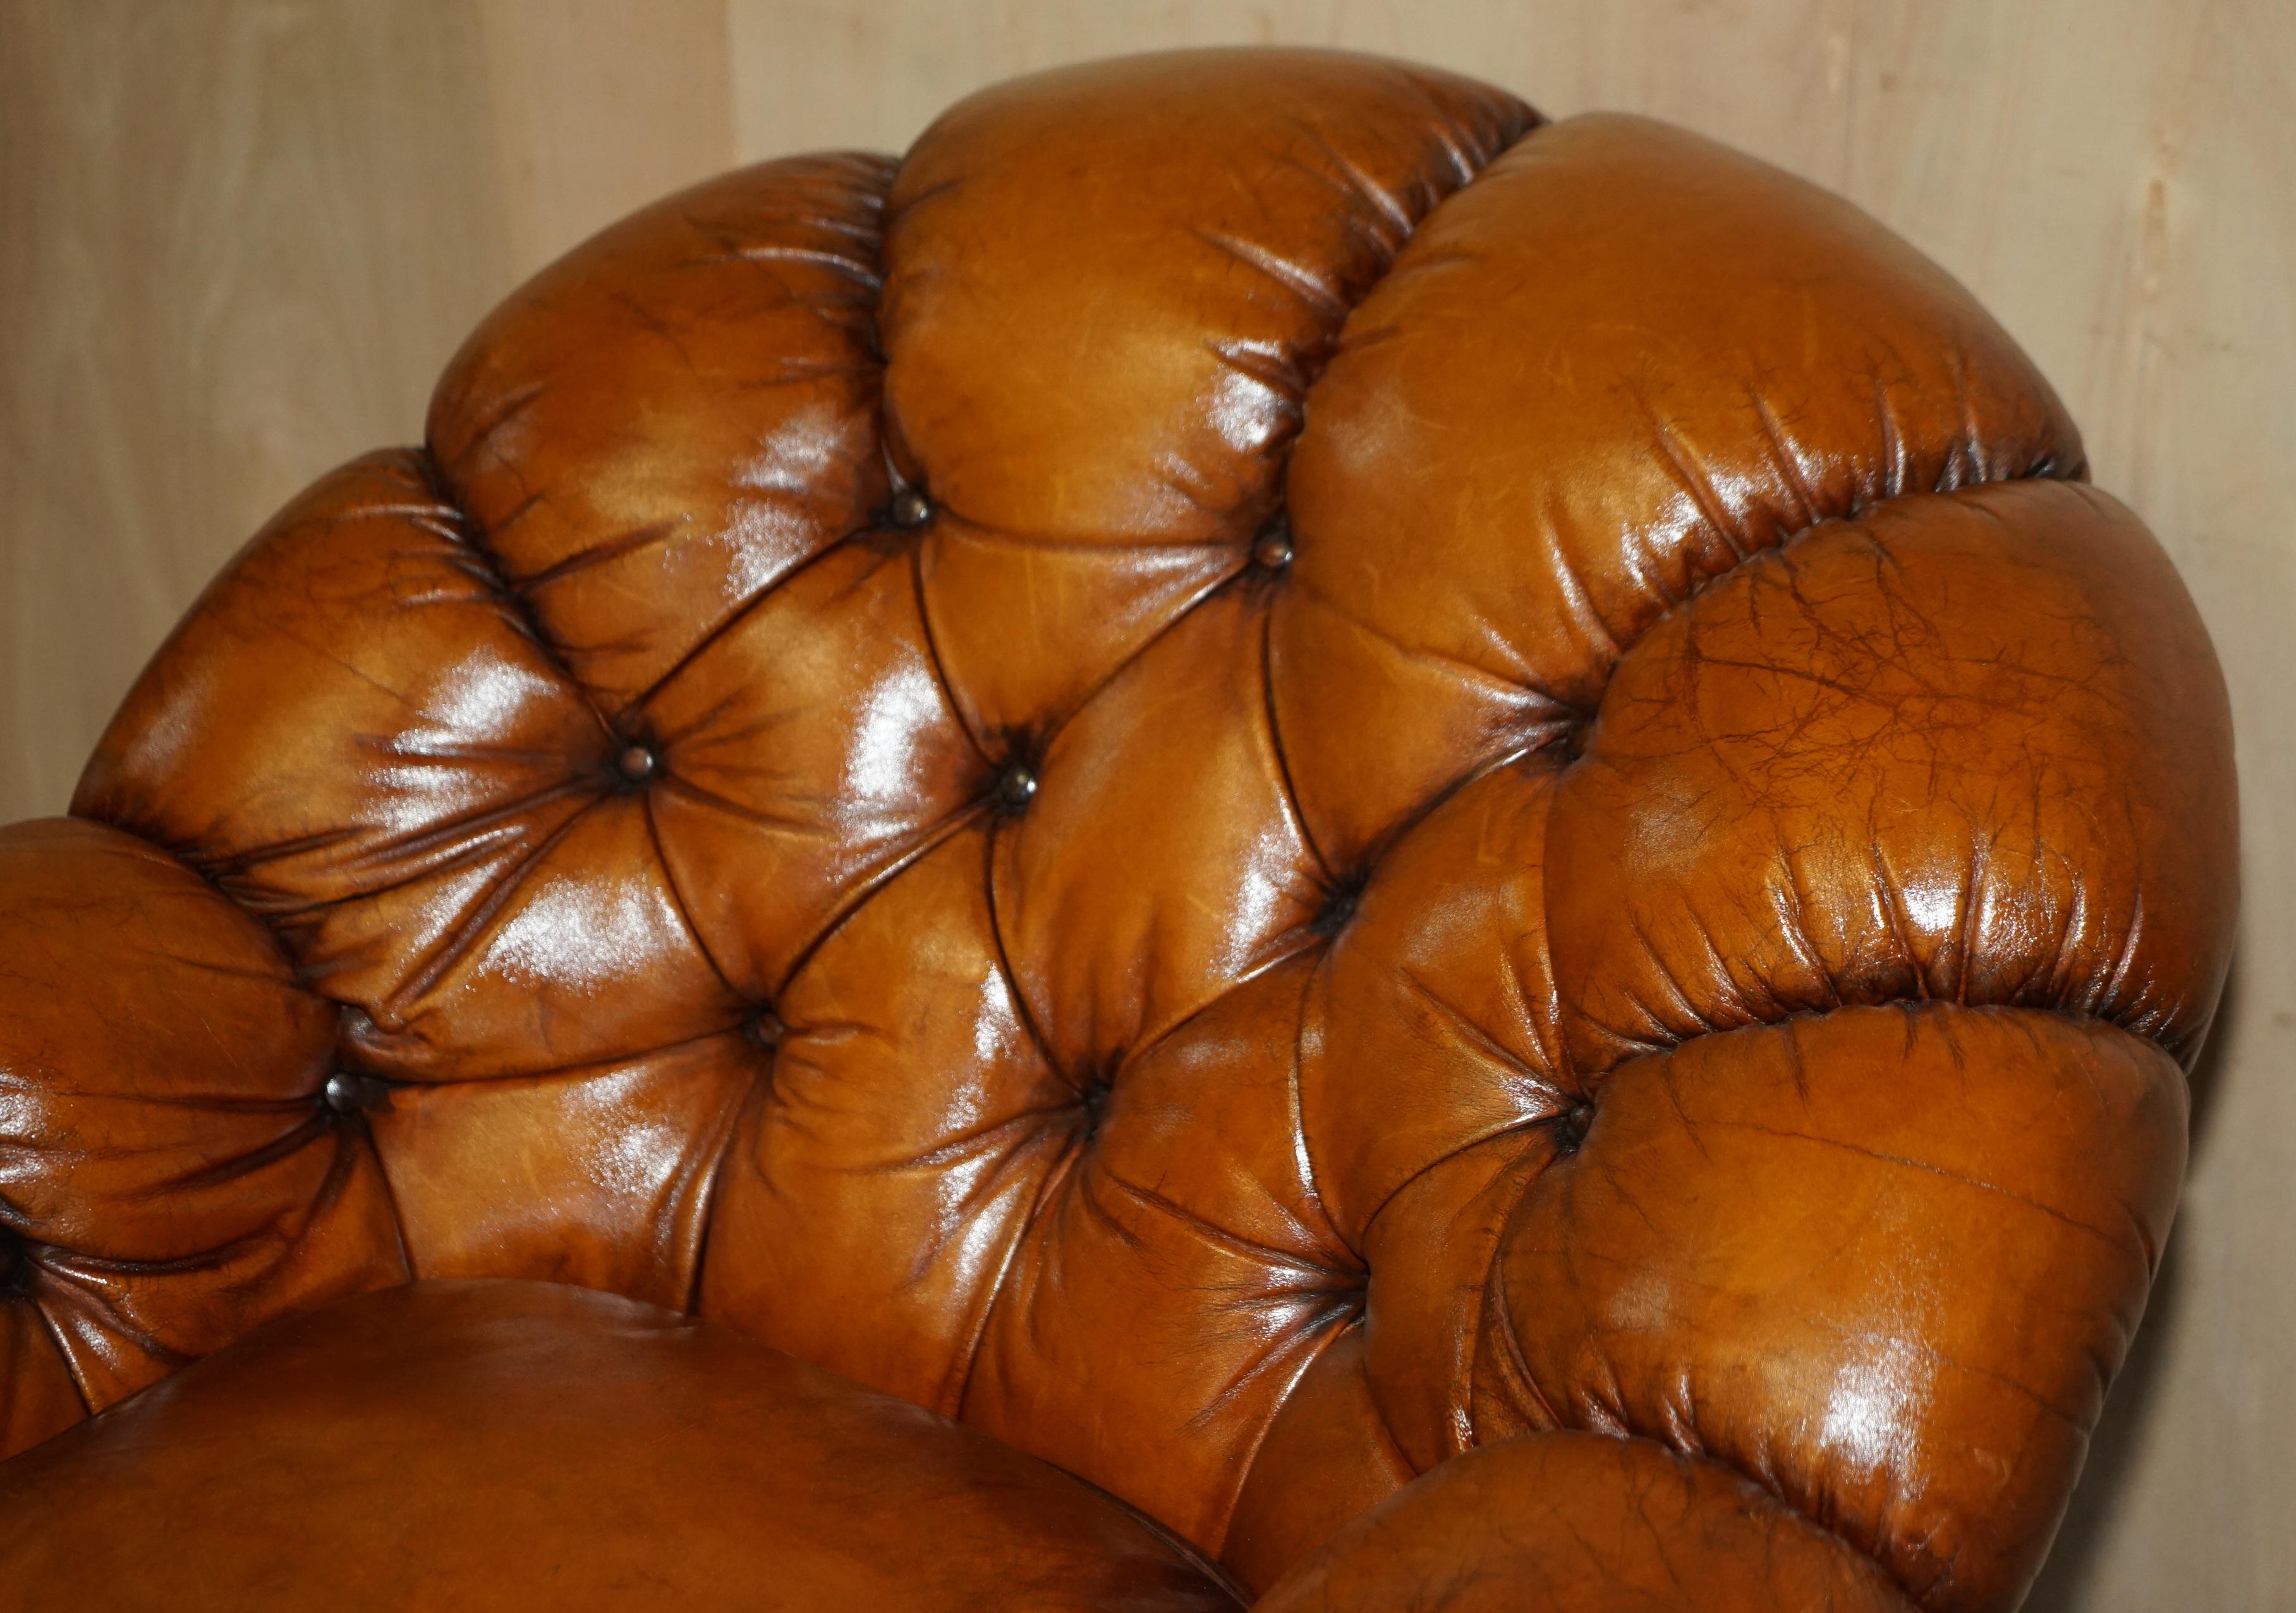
1016, 786
1339, 907
349, 1094
636, 764
766, 1029
1092, 1102
1272, 550
911, 508
1570, 1128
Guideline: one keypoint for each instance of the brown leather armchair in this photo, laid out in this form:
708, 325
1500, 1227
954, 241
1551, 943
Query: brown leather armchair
1260, 836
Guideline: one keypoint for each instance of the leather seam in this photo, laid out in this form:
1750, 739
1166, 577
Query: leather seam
1904, 1004
1309, 1177
1340, 1322
929, 839
2043, 470
749, 605
957, 1383
1288, 791
467, 827
1493, 1291
941, 679
754, 1101
365, 1135
55, 1332
684, 908
487, 569
457, 939
1770, 1493
173, 1360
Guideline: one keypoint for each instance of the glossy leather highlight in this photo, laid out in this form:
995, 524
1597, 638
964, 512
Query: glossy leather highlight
1453, 848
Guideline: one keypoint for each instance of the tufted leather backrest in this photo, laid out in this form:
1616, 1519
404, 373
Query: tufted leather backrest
1254, 772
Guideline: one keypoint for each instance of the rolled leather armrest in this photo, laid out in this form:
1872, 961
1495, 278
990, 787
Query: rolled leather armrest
177, 1162
1891, 888
1581, 1523
1881, 1262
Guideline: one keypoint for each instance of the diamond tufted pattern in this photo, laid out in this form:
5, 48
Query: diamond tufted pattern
1255, 773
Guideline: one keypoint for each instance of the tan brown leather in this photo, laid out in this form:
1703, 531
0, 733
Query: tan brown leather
603, 1453
1588, 1523
1323, 803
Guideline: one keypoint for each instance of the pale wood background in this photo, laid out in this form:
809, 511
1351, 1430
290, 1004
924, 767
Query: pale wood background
238, 237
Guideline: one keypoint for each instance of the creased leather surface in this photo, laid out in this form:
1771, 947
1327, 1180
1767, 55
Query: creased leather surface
1255, 773
1573, 1523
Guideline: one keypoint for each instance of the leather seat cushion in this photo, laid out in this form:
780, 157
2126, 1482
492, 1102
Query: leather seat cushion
506, 1445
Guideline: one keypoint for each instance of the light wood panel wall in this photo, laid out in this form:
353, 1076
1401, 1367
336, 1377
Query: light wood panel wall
237, 238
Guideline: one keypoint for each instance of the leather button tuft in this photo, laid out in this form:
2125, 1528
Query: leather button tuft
1339, 907
1273, 552
1570, 1128
766, 1029
349, 1094
1016, 786
636, 764
1092, 1101
911, 508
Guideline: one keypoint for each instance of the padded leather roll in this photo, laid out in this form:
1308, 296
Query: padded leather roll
1258, 774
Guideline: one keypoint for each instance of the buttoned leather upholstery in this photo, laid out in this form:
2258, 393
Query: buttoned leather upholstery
1452, 848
